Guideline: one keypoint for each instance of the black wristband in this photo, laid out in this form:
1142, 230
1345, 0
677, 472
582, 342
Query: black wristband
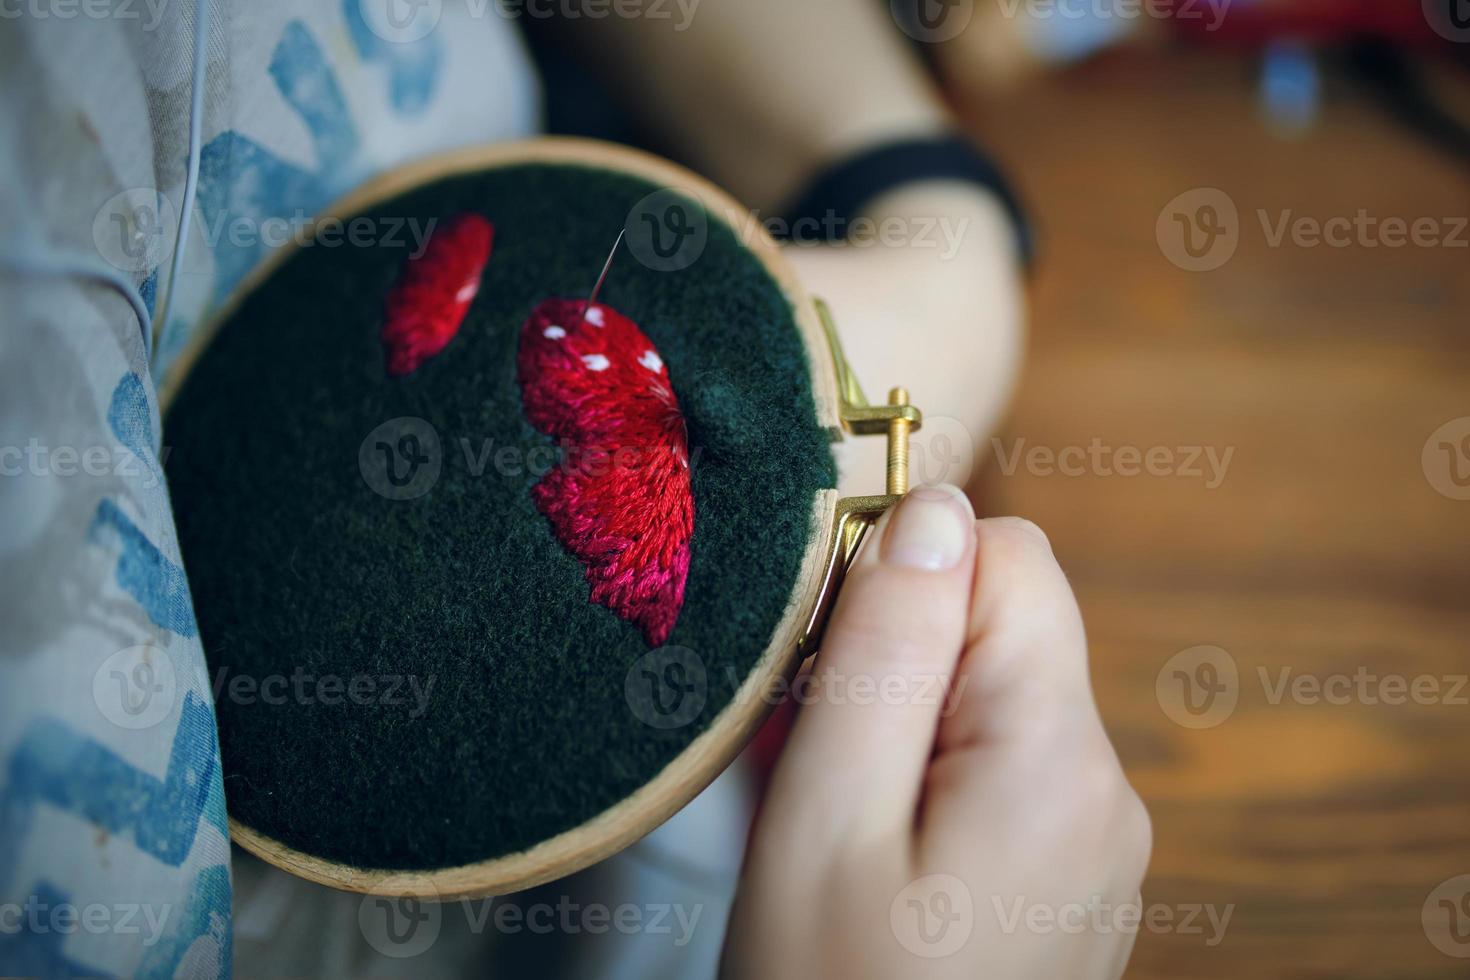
825, 209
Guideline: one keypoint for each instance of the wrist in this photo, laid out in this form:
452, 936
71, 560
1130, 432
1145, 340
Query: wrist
935, 178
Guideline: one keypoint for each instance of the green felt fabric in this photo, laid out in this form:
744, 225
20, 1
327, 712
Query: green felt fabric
301, 572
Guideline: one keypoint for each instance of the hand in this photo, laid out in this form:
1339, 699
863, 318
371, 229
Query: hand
1008, 792
938, 309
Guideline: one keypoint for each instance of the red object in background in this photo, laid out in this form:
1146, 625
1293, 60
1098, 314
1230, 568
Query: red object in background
621, 499
434, 291
1256, 22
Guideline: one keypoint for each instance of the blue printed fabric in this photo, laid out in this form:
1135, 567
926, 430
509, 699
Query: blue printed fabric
114, 845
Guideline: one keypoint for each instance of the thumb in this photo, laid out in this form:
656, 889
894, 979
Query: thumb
872, 702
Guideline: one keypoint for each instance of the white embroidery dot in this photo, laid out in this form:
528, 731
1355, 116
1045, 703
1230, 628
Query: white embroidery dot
594, 316
554, 332
652, 361
595, 362
467, 291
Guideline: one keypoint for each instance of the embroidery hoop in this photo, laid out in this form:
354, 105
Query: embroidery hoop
839, 526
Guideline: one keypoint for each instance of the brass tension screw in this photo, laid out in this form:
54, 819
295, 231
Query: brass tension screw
898, 446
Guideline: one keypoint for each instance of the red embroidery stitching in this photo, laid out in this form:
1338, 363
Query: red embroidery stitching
434, 290
621, 499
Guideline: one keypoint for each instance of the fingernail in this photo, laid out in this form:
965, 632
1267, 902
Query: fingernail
930, 529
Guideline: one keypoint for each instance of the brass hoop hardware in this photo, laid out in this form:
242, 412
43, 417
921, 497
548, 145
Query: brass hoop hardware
856, 516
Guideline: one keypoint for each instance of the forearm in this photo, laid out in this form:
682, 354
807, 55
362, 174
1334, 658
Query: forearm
761, 93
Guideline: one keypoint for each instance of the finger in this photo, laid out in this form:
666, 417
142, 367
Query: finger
1021, 720
1021, 750
1025, 669
871, 703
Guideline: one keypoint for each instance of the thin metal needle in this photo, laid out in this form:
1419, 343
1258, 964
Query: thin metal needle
603, 276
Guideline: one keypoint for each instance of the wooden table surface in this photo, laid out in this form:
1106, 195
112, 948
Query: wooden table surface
1326, 550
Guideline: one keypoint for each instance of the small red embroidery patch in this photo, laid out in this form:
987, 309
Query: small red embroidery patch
434, 290
621, 499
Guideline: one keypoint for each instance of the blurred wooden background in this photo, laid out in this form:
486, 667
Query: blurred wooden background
1325, 549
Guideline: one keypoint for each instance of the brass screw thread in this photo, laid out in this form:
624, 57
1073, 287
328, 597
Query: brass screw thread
898, 446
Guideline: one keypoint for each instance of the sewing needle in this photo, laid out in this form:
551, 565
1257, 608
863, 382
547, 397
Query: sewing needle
603, 276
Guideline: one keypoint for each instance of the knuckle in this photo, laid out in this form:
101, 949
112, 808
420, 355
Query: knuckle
878, 641
1136, 833
1022, 534
880, 610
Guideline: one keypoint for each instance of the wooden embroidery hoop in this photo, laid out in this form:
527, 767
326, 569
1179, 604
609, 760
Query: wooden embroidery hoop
839, 527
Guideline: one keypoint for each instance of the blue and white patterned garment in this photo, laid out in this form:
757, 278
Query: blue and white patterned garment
114, 853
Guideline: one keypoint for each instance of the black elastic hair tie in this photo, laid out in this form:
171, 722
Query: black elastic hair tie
823, 211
